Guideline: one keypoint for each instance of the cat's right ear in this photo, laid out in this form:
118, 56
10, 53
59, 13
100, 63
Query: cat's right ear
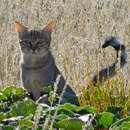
19, 27
49, 26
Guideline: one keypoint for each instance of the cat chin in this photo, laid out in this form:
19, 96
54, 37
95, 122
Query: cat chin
41, 53
33, 56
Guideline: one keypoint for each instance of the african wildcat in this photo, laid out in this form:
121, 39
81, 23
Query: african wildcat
38, 68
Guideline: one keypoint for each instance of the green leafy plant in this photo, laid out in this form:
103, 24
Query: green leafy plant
24, 114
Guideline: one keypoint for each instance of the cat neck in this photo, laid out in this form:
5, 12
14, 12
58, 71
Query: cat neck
37, 62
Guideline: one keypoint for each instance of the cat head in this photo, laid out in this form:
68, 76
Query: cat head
34, 41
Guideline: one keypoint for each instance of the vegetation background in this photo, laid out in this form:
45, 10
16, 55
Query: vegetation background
82, 26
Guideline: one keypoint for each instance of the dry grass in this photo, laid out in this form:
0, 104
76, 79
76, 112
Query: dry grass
82, 26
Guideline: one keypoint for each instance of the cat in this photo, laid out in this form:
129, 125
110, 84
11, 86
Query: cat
38, 68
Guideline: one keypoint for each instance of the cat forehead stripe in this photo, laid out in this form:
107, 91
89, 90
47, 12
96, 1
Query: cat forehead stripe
34, 35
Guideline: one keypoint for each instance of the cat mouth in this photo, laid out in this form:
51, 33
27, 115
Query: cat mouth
34, 51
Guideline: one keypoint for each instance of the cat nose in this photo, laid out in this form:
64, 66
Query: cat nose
33, 47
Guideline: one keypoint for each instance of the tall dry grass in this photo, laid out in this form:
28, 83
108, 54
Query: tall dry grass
82, 26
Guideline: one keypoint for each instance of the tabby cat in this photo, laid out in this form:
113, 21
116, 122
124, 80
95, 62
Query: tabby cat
38, 68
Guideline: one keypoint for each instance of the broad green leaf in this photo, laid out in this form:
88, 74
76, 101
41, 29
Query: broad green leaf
26, 123
3, 116
126, 124
13, 121
14, 92
3, 97
24, 128
66, 112
121, 123
105, 119
59, 111
53, 98
62, 117
24, 108
69, 107
4, 107
70, 124
86, 110
30, 117
48, 89
40, 127
5, 127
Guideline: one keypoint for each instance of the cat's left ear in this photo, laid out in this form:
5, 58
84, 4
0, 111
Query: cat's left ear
49, 26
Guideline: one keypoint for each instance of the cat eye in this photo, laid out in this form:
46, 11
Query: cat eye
25, 43
40, 43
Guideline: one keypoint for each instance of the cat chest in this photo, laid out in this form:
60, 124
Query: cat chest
37, 78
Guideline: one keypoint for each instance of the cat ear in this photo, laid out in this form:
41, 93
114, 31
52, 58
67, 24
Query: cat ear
49, 26
19, 27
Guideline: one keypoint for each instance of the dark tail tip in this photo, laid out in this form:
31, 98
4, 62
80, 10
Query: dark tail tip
114, 42
108, 41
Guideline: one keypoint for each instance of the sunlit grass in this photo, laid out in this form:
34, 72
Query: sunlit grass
113, 93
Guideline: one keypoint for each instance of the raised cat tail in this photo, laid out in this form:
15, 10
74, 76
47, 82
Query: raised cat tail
111, 71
